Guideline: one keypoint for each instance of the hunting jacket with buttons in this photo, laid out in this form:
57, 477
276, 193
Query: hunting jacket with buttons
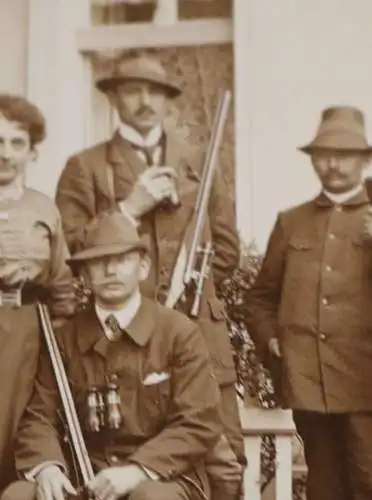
98, 178
314, 293
169, 397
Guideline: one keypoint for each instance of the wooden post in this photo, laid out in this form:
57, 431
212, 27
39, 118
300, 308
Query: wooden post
242, 111
166, 12
59, 81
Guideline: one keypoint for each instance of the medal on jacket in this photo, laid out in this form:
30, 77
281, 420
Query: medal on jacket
113, 413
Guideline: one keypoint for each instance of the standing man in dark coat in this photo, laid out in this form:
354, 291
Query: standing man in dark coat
166, 394
309, 312
141, 171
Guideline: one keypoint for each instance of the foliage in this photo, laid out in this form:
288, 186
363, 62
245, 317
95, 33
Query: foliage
251, 374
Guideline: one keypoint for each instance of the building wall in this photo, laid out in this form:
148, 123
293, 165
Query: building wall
303, 56
13, 40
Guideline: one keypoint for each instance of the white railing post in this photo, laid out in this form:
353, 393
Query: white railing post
166, 12
257, 422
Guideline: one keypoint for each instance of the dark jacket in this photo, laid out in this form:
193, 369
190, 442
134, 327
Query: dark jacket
96, 179
314, 293
168, 425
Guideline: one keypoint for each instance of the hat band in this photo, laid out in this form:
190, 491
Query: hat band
339, 139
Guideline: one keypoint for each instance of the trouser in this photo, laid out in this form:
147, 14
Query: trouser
148, 490
225, 462
338, 452
19, 354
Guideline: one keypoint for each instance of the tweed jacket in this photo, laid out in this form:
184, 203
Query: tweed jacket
96, 179
169, 395
314, 294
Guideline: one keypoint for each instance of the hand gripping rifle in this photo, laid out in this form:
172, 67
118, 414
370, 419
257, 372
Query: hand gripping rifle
194, 258
80, 453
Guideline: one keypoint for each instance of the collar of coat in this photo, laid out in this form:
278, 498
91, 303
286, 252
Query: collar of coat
359, 199
140, 329
178, 154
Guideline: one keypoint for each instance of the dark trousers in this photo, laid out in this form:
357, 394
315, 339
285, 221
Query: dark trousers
338, 452
148, 490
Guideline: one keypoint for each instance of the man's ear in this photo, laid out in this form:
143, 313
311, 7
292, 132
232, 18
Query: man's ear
145, 267
111, 96
84, 275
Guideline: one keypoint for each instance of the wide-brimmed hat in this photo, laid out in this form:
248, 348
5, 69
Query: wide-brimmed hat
109, 234
143, 68
341, 129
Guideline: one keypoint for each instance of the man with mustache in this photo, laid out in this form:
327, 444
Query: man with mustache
309, 312
153, 178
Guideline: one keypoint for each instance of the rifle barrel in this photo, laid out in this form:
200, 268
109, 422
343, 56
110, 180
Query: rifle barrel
209, 167
74, 428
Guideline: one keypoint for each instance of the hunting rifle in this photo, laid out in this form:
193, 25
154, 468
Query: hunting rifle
194, 258
82, 463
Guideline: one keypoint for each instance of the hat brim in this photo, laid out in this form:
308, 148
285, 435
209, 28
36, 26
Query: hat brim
106, 251
106, 84
312, 148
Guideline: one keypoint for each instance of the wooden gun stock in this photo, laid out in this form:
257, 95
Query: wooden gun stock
77, 443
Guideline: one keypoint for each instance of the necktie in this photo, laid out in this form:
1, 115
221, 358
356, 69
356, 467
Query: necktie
148, 152
113, 325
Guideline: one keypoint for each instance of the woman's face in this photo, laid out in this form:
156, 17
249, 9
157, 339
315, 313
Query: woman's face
15, 150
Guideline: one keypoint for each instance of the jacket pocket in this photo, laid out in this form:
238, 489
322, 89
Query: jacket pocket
217, 309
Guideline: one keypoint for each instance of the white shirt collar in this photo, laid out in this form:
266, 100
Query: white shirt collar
339, 198
132, 135
124, 316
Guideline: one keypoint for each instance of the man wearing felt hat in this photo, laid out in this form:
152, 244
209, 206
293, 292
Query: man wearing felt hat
153, 178
309, 312
169, 397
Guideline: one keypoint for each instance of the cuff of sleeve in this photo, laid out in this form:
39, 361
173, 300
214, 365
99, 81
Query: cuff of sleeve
124, 210
32, 474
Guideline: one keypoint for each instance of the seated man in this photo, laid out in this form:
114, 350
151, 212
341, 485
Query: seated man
169, 400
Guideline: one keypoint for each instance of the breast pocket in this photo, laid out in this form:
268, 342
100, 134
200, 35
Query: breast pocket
153, 405
359, 259
300, 260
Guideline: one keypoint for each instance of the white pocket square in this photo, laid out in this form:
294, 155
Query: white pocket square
155, 378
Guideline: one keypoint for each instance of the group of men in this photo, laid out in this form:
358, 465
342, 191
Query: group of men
125, 205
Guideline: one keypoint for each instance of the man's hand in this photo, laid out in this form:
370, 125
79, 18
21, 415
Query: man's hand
152, 187
115, 482
274, 347
52, 484
367, 225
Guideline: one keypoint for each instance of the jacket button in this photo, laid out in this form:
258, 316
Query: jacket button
332, 236
325, 301
323, 337
328, 268
114, 459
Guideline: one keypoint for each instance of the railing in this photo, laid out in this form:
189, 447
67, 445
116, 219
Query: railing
256, 423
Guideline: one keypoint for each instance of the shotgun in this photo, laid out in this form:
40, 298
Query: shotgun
78, 447
194, 258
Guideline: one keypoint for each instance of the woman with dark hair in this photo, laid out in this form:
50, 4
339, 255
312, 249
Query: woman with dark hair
32, 267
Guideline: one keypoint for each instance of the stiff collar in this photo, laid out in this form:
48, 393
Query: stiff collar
360, 198
123, 316
132, 135
140, 329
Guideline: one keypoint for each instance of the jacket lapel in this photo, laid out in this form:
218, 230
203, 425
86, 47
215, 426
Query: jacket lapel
126, 163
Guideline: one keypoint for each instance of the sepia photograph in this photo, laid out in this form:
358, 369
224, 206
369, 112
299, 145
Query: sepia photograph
185, 250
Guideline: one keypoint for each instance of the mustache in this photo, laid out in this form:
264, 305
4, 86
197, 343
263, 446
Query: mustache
144, 110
